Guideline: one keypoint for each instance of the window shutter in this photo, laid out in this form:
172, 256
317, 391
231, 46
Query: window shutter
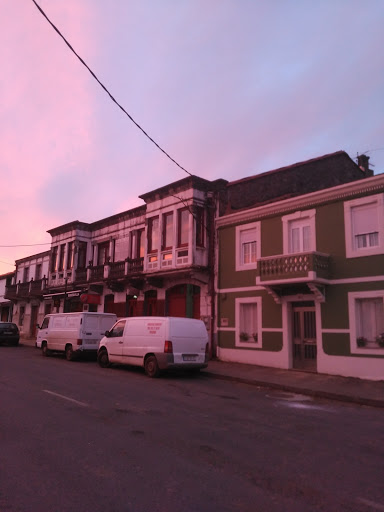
365, 219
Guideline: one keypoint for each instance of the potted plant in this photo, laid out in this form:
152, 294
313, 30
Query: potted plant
361, 341
244, 336
380, 340
254, 336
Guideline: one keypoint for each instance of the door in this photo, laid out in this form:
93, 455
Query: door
115, 342
34, 312
304, 338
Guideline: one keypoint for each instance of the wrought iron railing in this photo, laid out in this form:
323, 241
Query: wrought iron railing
97, 273
135, 265
116, 269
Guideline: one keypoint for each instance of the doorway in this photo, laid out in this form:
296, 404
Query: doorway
304, 338
34, 313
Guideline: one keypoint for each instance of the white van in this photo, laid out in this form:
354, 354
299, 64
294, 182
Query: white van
73, 333
156, 343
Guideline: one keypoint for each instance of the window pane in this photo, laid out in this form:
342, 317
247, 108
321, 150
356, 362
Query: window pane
369, 318
248, 321
183, 229
295, 240
249, 253
306, 238
168, 230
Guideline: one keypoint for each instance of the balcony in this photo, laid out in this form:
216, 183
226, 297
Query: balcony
25, 290
293, 268
111, 271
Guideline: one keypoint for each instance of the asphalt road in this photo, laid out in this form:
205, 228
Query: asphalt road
78, 438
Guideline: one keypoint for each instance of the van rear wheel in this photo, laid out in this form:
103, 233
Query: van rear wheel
69, 354
103, 359
151, 367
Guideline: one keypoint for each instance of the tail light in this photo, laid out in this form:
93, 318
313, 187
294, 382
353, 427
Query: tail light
168, 347
79, 341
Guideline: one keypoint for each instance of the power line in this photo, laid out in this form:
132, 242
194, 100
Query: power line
105, 89
25, 245
6, 263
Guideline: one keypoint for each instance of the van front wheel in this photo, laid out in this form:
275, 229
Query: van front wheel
44, 349
151, 367
69, 355
103, 359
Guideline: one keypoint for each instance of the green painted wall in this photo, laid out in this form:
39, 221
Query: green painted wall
271, 236
330, 239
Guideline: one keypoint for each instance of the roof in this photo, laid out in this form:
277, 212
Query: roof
300, 178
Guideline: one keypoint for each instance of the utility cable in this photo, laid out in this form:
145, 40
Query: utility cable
105, 89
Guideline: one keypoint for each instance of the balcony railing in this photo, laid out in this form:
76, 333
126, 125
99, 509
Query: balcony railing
309, 266
81, 275
97, 273
135, 265
116, 269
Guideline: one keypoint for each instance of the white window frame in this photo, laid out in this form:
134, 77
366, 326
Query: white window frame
304, 216
351, 251
352, 296
239, 259
251, 343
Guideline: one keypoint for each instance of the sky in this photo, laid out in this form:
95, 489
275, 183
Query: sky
229, 88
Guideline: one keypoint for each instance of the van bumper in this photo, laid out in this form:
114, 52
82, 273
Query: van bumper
167, 362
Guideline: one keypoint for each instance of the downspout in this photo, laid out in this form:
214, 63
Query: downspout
211, 202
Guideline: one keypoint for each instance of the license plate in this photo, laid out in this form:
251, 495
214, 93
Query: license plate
189, 358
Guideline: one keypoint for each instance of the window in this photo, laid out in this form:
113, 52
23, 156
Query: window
102, 253
248, 322
200, 227
299, 233
45, 323
26, 275
247, 246
70, 256
364, 226
38, 272
183, 227
121, 248
153, 234
61, 257
167, 231
117, 330
54, 259
366, 316
82, 255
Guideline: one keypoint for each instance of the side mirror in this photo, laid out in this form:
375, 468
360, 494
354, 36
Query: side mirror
38, 326
106, 334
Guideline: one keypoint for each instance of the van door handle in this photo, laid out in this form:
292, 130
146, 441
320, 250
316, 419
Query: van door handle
120, 342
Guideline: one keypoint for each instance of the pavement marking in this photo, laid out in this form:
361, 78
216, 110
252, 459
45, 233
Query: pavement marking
373, 504
66, 398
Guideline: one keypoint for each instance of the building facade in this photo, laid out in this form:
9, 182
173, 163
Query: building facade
6, 305
156, 259
300, 279
26, 292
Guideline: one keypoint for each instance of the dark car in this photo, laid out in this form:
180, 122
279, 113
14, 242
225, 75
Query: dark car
9, 333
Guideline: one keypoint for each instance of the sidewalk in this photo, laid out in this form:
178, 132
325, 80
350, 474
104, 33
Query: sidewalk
345, 389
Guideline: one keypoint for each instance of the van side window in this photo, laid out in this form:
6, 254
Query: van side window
45, 323
118, 330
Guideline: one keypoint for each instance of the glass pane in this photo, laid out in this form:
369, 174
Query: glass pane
295, 240
168, 230
306, 238
183, 227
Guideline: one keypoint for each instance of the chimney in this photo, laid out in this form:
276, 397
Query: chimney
363, 163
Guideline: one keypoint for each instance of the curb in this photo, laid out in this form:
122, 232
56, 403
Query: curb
329, 395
